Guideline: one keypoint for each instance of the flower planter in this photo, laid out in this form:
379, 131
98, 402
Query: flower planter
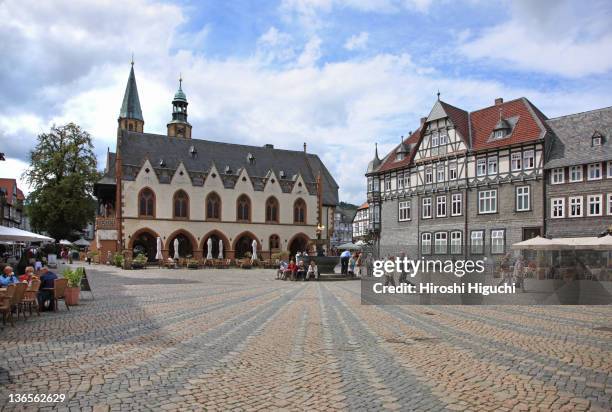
71, 296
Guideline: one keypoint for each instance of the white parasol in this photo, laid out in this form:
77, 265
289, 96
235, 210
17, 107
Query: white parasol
176, 248
158, 254
220, 249
209, 245
254, 245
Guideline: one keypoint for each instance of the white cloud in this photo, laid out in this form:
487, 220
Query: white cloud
13, 169
357, 41
562, 38
311, 53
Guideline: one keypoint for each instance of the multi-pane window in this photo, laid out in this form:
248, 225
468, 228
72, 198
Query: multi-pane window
213, 207
435, 139
477, 242
426, 213
455, 243
575, 174
558, 176
181, 205
370, 184
609, 169
441, 206
609, 203
452, 171
400, 181
272, 210
487, 201
428, 176
456, 204
528, 159
404, 210
387, 184
575, 206
522, 198
274, 242
497, 242
594, 171
440, 176
243, 209
481, 167
376, 184
443, 137
594, 205
426, 243
146, 203
299, 211
492, 165
516, 161
406, 180
441, 243
557, 207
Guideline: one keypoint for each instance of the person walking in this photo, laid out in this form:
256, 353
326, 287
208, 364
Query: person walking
344, 261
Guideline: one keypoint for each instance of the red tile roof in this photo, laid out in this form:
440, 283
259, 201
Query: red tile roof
8, 185
363, 206
460, 119
389, 162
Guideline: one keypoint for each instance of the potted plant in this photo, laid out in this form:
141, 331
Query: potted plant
74, 285
139, 262
118, 260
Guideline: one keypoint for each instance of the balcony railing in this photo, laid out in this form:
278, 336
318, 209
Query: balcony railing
106, 223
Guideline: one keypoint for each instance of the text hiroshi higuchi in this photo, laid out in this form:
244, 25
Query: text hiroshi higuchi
430, 288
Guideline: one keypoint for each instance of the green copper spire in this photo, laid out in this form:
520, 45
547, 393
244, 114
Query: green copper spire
130, 108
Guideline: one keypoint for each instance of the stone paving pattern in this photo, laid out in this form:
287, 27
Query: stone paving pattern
160, 339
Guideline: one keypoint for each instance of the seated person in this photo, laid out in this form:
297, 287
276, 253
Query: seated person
290, 271
47, 280
281, 269
8, 277
301, 270
313, 271
27, 276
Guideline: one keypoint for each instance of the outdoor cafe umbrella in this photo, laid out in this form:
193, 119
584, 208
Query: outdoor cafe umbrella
349, 246
254, 245
158, 254
591, 243
65, 242
12, 234
220, 249
209, 245
176, 247
541, 243
81, 242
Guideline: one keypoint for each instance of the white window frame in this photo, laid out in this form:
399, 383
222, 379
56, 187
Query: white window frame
572, 202
590, 202
609, 204
456, 204
406, 178
477, 239
426, 203
403, 210
557, 207
443, 137
578, 171
516, 161
426, 243
609, 174
387, 183
492, 164
594, 167
455, 242
435, 139
481, 166
440, 174
528, 159
523, 192
400, 181
428, 176
485, 196
452, 168
557, 176
441, 204
441, 243
498, 241
498, 134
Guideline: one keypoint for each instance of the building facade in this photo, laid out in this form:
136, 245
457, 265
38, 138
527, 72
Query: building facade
474, 183
11, 205
176, 187
343, 226
361, 222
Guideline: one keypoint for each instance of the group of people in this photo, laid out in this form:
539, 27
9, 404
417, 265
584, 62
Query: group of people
351, 264
46, 277
513, 275
296, 269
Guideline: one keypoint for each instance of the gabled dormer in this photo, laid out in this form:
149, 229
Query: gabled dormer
597, 139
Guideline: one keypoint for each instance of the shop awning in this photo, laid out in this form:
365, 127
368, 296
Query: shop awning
12, 234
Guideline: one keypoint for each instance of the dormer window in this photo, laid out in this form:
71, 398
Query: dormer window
596, 139
498, 134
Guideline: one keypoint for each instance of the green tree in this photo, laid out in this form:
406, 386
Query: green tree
61, 175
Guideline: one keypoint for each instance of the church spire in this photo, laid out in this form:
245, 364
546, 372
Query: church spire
130, 115
179, 126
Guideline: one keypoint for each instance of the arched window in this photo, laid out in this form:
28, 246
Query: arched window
181, 205
146, 203
274, 242
299, 211
243, 209
213, 207
272, 210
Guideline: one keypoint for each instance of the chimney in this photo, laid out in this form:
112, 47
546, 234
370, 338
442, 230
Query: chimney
423, 120
304, 147
499, 101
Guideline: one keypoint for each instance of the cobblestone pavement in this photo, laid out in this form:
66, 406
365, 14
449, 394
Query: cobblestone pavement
239, 340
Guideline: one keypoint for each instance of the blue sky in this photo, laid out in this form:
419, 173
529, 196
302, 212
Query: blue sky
338, 74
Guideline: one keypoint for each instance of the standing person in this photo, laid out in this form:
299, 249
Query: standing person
389, 279
344, 261
8, 277
352, 262
506, 273
359, 264
519, 273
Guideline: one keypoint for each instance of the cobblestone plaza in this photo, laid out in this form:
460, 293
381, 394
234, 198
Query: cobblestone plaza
240, 340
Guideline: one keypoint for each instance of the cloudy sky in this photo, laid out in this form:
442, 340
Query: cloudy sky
338, 74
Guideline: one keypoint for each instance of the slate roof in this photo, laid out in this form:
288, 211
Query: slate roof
130, 108
572, 143
135, 148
